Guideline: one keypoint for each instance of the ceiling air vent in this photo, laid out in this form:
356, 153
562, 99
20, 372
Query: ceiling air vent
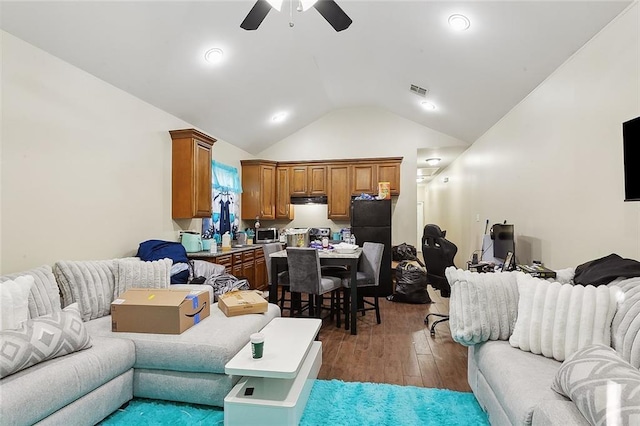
420, 91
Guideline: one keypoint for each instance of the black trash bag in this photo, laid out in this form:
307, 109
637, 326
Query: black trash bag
404, 252
411, 284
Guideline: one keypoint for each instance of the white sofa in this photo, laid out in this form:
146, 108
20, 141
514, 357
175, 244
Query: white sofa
514, 386
84, 387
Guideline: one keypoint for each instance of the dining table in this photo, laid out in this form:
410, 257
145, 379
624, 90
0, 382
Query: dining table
327, 257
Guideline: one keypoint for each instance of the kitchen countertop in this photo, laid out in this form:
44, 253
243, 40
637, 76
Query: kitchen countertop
237, 249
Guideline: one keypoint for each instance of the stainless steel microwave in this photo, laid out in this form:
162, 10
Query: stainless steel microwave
266, 235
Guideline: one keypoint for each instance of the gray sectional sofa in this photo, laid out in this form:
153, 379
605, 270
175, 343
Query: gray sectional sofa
531, 387
87, 385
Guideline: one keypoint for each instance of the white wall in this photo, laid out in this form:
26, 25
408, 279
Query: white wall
553, 165
85, 167
366, 132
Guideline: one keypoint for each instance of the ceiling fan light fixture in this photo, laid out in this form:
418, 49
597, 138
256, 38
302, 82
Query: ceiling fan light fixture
276, 4
429, 106
459, 22
307, 4
214, 56
433, 161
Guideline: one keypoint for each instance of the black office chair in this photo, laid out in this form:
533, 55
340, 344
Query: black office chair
438, 254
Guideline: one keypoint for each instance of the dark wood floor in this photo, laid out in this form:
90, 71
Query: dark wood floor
399, 351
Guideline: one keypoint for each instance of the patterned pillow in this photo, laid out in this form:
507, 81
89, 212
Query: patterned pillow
14, 296
482, 306
41, 339
89, 283
134, 273
604, 387
556, 319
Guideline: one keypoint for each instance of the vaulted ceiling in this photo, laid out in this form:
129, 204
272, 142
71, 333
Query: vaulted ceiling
296, 63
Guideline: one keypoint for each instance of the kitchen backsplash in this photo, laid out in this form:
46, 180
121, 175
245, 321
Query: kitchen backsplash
306, 216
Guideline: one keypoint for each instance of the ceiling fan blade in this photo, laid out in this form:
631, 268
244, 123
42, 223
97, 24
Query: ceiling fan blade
256, 15
334, 14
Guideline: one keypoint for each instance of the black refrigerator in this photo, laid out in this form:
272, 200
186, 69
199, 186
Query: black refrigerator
371, 221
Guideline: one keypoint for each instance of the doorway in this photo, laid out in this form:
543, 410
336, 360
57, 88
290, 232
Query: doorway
420, 224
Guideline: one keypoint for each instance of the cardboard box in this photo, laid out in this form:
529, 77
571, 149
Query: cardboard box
384, 190
162, 311
242, 302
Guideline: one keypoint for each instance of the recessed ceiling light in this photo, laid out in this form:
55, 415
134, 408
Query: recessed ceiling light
433, 161
214, 56
279, 117
428, 105
459, 22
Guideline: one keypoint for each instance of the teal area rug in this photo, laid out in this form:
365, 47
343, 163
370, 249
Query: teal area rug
332, 402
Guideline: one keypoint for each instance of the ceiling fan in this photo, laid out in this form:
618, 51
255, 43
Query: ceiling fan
327, 8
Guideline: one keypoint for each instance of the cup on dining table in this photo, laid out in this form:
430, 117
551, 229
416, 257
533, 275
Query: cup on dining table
257, 345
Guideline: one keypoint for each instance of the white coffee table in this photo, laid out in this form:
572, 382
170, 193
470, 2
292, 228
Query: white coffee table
275, 388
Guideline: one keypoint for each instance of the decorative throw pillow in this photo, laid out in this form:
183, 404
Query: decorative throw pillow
41, 339
14, 302
482, 306
625, 328
45, 295
556, 319
604, 387
89, 283
134, 273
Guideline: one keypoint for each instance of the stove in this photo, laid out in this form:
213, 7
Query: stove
319, 233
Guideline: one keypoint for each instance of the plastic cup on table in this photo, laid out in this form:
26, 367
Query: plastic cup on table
257, 345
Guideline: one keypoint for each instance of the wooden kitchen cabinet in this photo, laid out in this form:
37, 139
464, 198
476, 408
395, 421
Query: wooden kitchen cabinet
366, 174
317, 177
191, 174
307, 180
390, 172
283, 198
258, 189
364, 179
338, 194
248, 263
261, 281
248, 267
224, 260
298, 182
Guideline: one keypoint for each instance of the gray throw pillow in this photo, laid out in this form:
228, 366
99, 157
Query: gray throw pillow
482, 306
604, 387
41, 339
135, 273
44, 298
90, 283
556, 320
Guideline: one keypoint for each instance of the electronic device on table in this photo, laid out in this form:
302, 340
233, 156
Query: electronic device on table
537, 271
508, 262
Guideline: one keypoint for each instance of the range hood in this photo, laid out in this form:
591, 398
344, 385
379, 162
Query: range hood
319, 199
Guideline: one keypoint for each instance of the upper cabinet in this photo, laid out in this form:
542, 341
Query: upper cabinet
365, 175
258, 189
317, 179
363, 179
191, 174
307, 180
283, 198
338, 197
268, 186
